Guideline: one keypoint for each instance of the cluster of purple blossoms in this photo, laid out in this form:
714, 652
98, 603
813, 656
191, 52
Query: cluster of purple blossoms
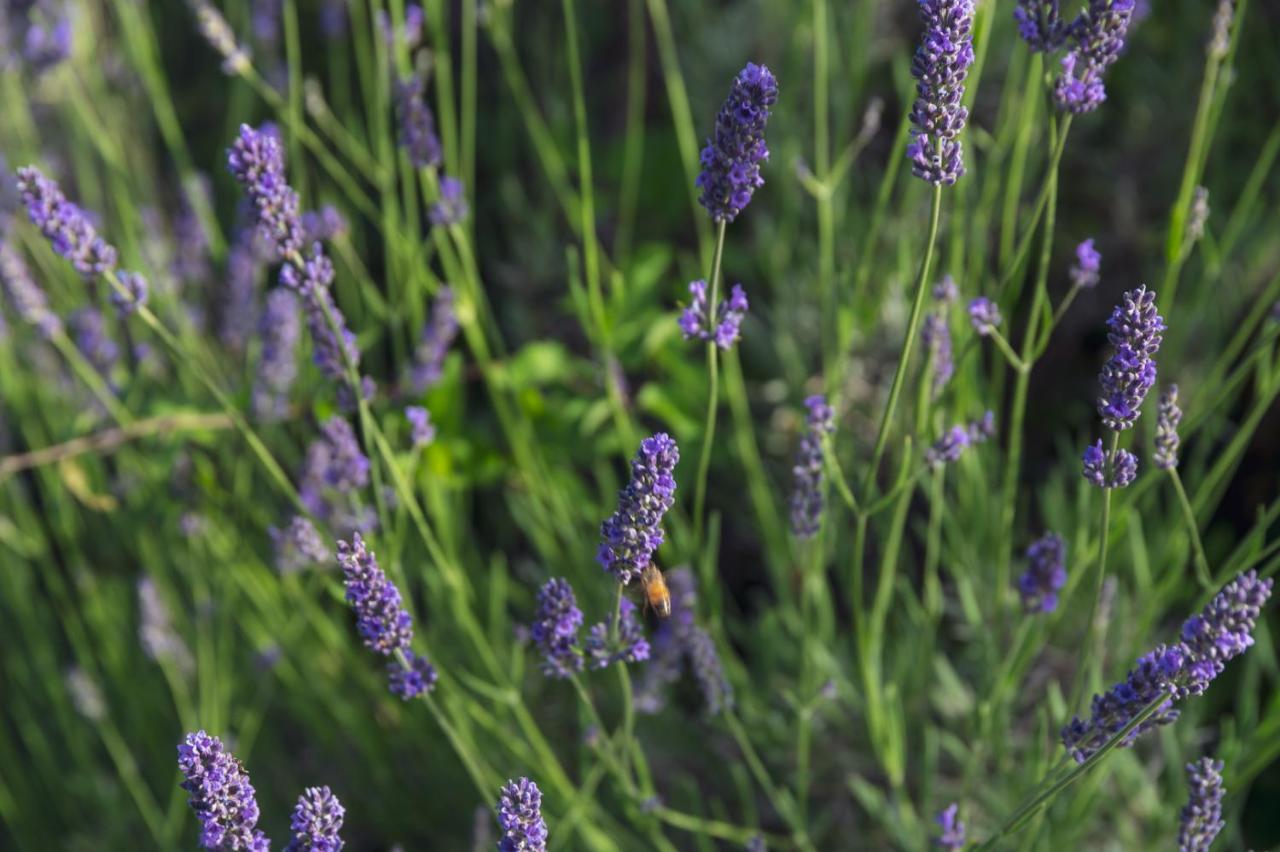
678, 640
1135, 330
256, 159
381, 619
316, 821
421, 430
697, 323
279, 330
1220, 632
936, 334
89, 331
410, 33
319, 226
1109, 468
633, 532
984, 315
704, 660
332, 477
520, 817
417, 124
631, 645
1201, 819
265, 20
238, 306
732, 156
220, 795
1165, 456
298, 546
806, 494
951, 446
1045, 575
419, 678
940, 65
38, 31
437, 336
26, 297
555, 629
951, 828
452, 207
1040, 24
133, 293
65, 225
1085, 271
1097, 36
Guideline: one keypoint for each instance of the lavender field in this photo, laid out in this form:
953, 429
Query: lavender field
639, 425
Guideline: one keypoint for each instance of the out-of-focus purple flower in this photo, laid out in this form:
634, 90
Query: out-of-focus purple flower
1097, 37
85, 695
221, 796
948, 448
936, 336
218, 33
696, 322
452, 208
555, 629
65, 225
1045, 575
1220, 632
732, 156
333, 18
333, 344
437, 336
1201, 818
1165, 456
632, 533
631, 646
316, 821
279, 330
984, 315
940, 65
89, 330
983, 429
419, 678
679, 639
381, 619
520, 817
334, 474
298, 546
190, 261
159, 639
256, 159
265, 18
238, 306
410, 34
134, 295
756, 844
323, 225
1084, 272
417, 124
1109, 469
704, 661
807, 498
951, 828
421, 429
1135, 330
945, 292
1040, 24
1198, 215
26, 297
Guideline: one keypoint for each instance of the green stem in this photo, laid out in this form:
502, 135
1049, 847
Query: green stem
1082, 674
713, 388
1202, 564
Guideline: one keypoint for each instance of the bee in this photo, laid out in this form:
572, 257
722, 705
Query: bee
656, 594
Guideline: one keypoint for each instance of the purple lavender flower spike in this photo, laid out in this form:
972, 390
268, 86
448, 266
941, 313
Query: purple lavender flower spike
1084, 272
704, 660
322, 225
1098, 36
696, 322
1045, 575
1109, 469
948, 448
945, 292
40, 30
417, 124
89, 330
1040, 25
408, 683
1224, 628
806, 495
316, 821
279, 330
555, 630
631, 647
26, 297
983, 429
332, 477
421, 430
732, 156
333, 19
218, 33
676, 640
1165, 456
437, 336
940, 65
984, 315
634, 531
1201, 818
64, 225
334, 346
936, 334
257, 161
298, 546
381, 619
951, 827
1135, 331
221, 796
520, 817
452, 207
135, 294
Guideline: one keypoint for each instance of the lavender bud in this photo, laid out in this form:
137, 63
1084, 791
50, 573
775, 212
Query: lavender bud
936, 336
64, 225
421, 429
1165, 456
381, 619
704, 660
437, 336
1045, 575
1224, 629
1201, 818
634, 531
948, 448
984, 315
221, 795
279, 329
256, 159
334, 474
452, 208
135, 294
952, 828
1084, 272
216, 31
25, 295
696, 321
732, 156
322, 225
1135, 331
806, 494
1109, 469
408, 683
1154, 675
945, 292
316, 821
940, 65
631, 647
1040, 25
555, 629
41, 29
1098, 36
298, 546
417, 124
520, 817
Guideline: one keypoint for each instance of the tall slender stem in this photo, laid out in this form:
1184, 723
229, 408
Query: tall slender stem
1082, 674
713, 388
1202, 564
